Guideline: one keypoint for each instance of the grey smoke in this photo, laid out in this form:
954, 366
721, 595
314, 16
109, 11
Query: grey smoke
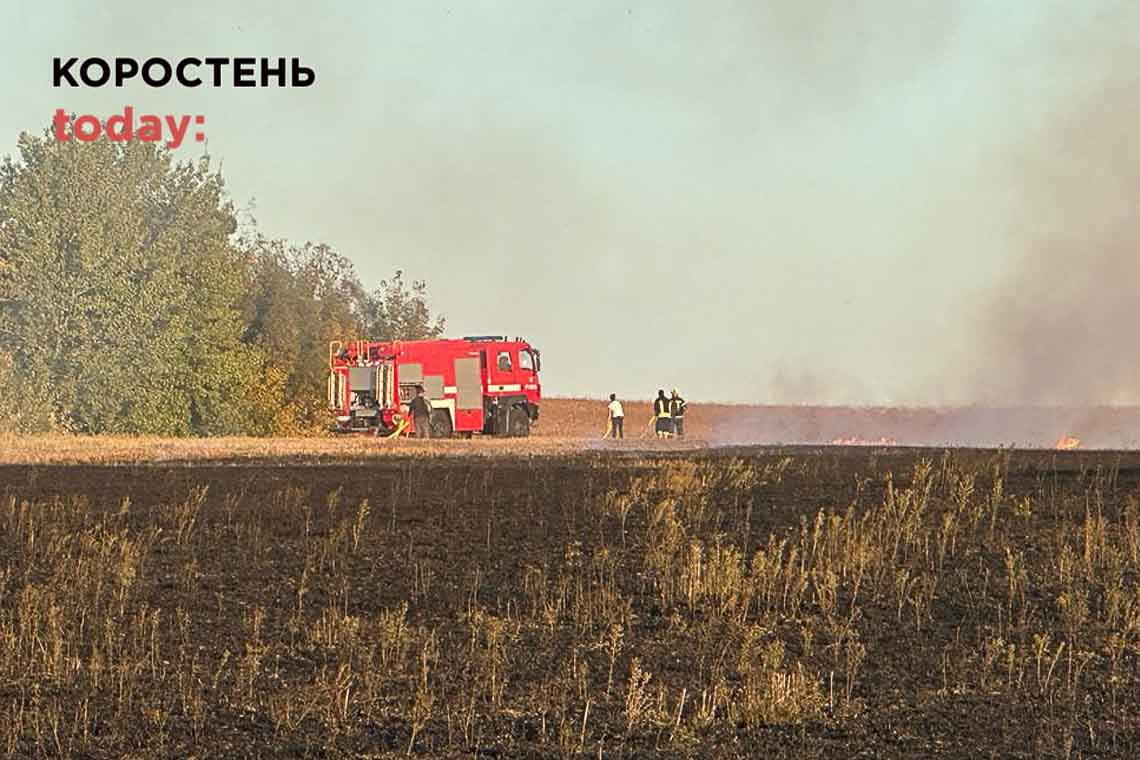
1058, 327
782, 201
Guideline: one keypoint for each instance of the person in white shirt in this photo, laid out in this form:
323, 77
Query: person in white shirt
617, 417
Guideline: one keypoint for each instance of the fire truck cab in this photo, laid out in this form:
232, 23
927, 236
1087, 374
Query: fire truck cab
479, 384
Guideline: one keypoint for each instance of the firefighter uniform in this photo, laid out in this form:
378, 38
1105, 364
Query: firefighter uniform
663, 415
420, 411
677, 409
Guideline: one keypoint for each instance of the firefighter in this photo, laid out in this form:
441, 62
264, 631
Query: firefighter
617, 417
677, 409
420, 411
663, 415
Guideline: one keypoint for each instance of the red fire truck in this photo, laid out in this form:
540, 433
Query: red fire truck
479, 384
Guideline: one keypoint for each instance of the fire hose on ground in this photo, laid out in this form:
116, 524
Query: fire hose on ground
401, 426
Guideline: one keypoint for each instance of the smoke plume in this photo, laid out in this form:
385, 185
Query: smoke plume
1057, 327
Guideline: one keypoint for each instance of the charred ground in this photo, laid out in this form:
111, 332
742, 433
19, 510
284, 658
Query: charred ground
815, 602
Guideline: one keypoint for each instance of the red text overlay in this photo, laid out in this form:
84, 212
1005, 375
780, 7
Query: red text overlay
168, 129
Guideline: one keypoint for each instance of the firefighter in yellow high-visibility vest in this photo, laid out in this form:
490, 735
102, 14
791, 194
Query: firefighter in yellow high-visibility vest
677, 406
663, 415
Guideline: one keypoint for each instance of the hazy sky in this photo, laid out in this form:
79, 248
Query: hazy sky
784, 201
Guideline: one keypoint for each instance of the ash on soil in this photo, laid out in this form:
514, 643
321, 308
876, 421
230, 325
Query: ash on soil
216, 610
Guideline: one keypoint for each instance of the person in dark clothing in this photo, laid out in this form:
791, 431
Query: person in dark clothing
420, 410
677, 409
663, 414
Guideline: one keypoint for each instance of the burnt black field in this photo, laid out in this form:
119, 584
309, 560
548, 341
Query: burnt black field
737, 602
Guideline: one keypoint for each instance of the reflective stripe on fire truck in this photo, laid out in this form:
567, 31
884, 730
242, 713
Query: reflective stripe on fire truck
503, 388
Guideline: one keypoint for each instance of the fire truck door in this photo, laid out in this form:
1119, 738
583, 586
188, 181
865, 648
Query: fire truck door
468, 384
503, 378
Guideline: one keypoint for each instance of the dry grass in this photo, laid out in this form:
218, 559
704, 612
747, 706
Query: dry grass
568, 431
572, 425
408, 617
66, 449
1097, 427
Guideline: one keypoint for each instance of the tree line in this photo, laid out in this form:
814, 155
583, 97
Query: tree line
136, 298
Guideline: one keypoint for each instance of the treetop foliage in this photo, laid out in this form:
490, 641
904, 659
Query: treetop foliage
130, 304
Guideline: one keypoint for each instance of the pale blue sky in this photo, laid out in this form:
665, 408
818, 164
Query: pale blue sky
754, 201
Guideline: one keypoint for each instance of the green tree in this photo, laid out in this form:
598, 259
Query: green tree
129, 303
301, 299
398, 311
119, 288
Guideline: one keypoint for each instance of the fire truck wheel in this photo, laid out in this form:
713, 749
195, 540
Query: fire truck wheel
441, 423
519, 424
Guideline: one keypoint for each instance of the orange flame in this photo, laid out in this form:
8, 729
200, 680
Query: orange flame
1068, 443
856, 441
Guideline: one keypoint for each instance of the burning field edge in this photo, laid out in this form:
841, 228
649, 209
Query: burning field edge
573, 426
